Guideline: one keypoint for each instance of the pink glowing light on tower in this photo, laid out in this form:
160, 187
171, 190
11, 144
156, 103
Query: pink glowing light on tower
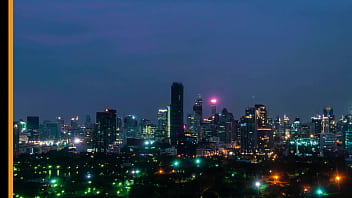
213, 101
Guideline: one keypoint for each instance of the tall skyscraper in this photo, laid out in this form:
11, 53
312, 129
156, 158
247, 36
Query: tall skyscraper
162, 124
105, 133
198, 115
316, 124
248, 132
256, 133
264, 131
130, 126
225, 127
176, 107
261, 115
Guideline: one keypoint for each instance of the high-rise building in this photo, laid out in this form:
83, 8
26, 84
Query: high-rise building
248, 132
328, 113
225, 128
162, 125
145, 126
278, 132
16, 137
296, 128
33, 127
198, 115
130, 126
263, 130
105, 132
316, 124
176, 108
287, 128
347, 133
261, 116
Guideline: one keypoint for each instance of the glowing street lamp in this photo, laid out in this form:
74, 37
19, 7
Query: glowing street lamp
197, 161
338, 179
258, 184
176, 163
320, 192
276, 177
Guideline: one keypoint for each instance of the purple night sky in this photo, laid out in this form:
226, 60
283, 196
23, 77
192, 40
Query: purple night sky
79, 57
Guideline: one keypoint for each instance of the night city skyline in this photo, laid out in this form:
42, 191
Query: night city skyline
178, 99
75, 58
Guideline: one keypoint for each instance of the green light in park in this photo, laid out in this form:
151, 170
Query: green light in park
176, 163
320, 191
53, 181
198, 161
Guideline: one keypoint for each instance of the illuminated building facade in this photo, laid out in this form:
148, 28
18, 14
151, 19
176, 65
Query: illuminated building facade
303, 147
328, 112
248, 132
287, 128
296, 128
147, 129
347, 133
261, 116
176, 114
162, 125
263, 130
105, 132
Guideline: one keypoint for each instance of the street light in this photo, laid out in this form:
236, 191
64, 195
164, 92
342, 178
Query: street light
338, 179
197, 161
176, 163
320, 192
257, 184
276, 177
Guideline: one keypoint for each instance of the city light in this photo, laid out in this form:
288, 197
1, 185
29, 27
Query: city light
257, 184
76, 140
320, 191
197, 161
176, 163
213, 101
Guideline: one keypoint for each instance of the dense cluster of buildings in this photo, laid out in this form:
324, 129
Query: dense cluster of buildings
253, 135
